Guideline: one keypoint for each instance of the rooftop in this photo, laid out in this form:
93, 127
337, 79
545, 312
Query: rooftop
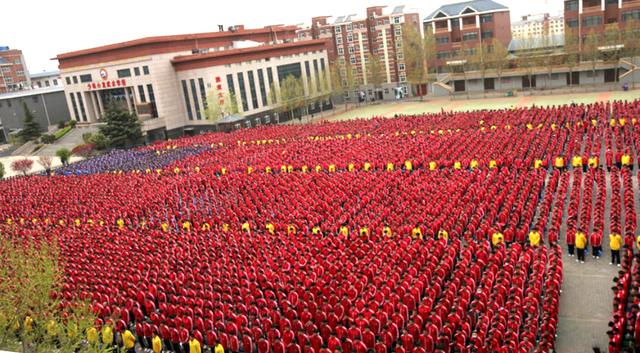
44, 74
31, 92
538, 42
452, 10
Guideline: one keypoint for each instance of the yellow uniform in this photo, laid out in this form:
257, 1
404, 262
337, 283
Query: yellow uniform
457, 165
28, 324
416, 233
225, 228
364, 232
128, 339
291, 230
194, 346
186, 226
246, 227
408, 165
267, 170
638, 242
443, 234
576, 162
367, 167
316, 230
92, 336
390, 167
615, 241
593, 162
474, 164
537, 164
626, 160
156, 343
206, 227
433, 165
497, 239
386, 231
305, 169
218, 349
351, 167
332, 168
581, 240
559, 162
534, 238
318, 169
493, 164
107, 335
249, 170
344, 231
270, 228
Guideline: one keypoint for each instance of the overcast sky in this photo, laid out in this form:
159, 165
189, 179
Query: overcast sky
45, 28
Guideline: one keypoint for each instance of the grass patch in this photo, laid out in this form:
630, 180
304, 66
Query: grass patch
60, 133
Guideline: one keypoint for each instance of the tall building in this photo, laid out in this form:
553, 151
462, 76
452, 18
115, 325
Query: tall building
585, 16
14, 75
467, 25
169, 81
540, 25
352, 40
46, 79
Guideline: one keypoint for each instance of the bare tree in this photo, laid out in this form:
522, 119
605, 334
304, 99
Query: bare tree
45, 162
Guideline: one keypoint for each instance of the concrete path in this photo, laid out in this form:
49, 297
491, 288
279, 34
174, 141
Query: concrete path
68, 141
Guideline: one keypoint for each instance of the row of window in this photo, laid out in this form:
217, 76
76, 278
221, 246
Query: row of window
122, 73
591, 21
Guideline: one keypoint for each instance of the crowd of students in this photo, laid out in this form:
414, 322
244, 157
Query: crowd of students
431, 233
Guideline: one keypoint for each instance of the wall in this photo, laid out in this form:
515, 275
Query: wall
54, 104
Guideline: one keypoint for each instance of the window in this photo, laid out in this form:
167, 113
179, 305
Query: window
8, 79
143, 98
486, 18
252, 87
185, 92
592, 21
145, 70
322, 64
230, 86
349, 27
55, 82
571, 5
612, 2
631, 15
351, 49
338, 29
396, 20
263, 90
315, 69
487, 35
194, 94
470, 36
340, 51
81, 101
39, 84
73, 103
339, 40
6, 69
401, 67
17, 61
455, 23
442, 55
243, 92
46, 83
152, 97
352, 60
136, 71
203, 94
75, 80
572, 23
349, 37
442, 40
124, 73
398, 32
20, 73
86, 78
270, 76
67, 80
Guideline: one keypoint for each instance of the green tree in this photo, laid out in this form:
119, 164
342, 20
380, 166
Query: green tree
414, 57
337, 85
289, 95
591, 52
121, 128
31, 319
31, 130
218, 108
64, 155
430, 51
499, 58
572, 50
323, 89
1, 170
375, 72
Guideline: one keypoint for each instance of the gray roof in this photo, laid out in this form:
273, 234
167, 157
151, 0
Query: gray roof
538, 42
44, 74
457, 8
31, 92
398, 10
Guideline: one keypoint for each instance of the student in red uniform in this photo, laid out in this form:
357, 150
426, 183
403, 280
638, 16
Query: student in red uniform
596, 244
571, 242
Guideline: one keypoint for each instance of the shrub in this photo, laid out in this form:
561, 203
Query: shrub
1, 170
22, 166
61, 124
85, 150
72, 123
64, 155
48, 138
60, 133
100, 141
37, 148
86, 137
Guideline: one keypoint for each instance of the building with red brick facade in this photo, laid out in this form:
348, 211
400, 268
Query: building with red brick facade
586, 16
352, 40
467, 25
14, 75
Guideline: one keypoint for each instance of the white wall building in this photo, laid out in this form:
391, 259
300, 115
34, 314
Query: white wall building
538, 25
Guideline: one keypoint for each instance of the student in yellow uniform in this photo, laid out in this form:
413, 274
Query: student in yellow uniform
576, 162
305, 169
474, 164
52, 330
316, 230
443, 234
457, 165
218, 349
283, 169
246, 227
156, 344
386, 231
615, 243
638, 242
367, 166
534, 238
129, 341
593, 162
271, 229
225, 228
344, 231
205, 227
249, 170
559, 163
408, 166
107, 336
493, 164
194, 346
332, 168
390, 167
581, 245
351, 167
186, 226
497, 239
433, 165
223, 171
267, 170
92, 336
537, 164
318, 169
291, 230
364, 232
626, 160
416, 232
